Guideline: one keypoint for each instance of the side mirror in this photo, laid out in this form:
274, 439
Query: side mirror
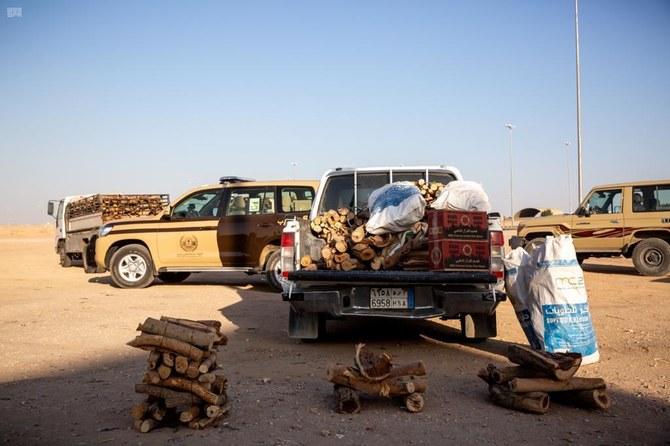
50, 209
166, 213
584, 211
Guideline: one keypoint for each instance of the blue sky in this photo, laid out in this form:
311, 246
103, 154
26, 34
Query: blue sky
160, 96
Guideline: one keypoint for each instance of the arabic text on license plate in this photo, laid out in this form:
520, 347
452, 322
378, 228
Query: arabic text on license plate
391, 298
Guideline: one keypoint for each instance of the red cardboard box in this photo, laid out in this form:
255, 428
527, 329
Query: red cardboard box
459, 255
459, 225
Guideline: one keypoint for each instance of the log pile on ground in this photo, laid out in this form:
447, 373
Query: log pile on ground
349, 247
375, 374
181, 383
117, 206
538, 376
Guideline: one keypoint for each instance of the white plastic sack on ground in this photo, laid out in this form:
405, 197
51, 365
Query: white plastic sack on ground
558, 301
515, 285
461, 195
394, 208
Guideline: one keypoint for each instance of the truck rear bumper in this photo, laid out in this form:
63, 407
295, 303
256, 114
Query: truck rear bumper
428, 302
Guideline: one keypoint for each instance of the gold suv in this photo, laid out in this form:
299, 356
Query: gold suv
629, 219
235, 225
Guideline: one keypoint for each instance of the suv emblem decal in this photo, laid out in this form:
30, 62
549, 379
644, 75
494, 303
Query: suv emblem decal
188, 243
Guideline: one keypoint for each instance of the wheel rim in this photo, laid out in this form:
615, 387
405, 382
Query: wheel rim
653, 257
132, 267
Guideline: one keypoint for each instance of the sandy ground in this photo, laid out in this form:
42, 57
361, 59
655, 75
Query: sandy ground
67, 375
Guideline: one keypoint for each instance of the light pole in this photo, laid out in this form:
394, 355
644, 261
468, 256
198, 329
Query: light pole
510, 127
579, 107
293, 165
567, 158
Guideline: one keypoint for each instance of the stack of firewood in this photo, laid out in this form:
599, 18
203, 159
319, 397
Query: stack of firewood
348, 246
375, 374
540, 376
114, 207
181, 382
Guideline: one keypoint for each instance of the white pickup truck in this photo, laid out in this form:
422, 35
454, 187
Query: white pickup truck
315, 296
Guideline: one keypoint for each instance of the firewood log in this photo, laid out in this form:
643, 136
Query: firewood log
154, 358
305, 261
560, 366
358, 234
189, 414
204, 422
311, 267
164, 371
347, 399
208, 362
415, 368
372, 366
198, 338
181, 364
139, 411
162, 343
213, 411
532, 402
145, 426
210, 326
414, 402
193, 387
193, 369
494, 375
523, 385
168, 359
588, 399
171, 398
151, 377
349, 377
207, 378
219, 385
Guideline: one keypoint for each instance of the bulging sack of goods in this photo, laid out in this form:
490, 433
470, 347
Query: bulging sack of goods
550, 285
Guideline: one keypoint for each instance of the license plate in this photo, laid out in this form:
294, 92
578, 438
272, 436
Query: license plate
391, 298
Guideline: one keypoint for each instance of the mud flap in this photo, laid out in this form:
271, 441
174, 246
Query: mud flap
479, 326
303, 325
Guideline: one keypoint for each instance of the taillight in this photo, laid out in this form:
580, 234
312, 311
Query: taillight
287, 253
497, 254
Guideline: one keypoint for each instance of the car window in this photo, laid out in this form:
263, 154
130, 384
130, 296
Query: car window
251, 201
296, 199
202, 204
651, 198
605, 202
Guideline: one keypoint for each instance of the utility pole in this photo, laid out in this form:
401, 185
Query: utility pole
510, 127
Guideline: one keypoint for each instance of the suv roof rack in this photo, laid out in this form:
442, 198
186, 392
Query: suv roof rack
229, 179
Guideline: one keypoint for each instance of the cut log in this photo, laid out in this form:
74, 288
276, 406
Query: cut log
147, 425
414, 402
327, 253
198, 338
139, 411
193, 387
494, 375
532, 402
193, 369
162, 343
207, 378
208, 362
358, 234
164, 371
371, 365
523, 385
347, 399
189, 414
210, 326
154, 358
305, 261
213, 411
151, 377
311, 267
588, 399
376, 263
181, 364
171, 398
350, 377
219, 385
415, 368
560, 366
168, 359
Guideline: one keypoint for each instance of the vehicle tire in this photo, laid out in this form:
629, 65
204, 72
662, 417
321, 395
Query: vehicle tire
65, 260
534, 244
173, 277
273, 271
131, 267
651, 257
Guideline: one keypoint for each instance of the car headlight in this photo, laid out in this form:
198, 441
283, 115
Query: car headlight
104, 230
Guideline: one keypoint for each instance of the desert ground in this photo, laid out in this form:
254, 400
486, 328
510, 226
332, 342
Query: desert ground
67, 376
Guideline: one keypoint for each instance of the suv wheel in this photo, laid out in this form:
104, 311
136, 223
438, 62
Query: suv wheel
273, 271
132, 267
651, 257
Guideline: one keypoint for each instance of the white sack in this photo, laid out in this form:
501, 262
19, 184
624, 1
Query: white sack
461, 195
515, 285
557, 298
394, 208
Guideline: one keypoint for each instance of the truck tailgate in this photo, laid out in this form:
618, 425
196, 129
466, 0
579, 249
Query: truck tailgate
393, 277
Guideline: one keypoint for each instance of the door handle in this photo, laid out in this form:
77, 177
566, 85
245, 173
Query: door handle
582, 224
614, 221
264, 225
